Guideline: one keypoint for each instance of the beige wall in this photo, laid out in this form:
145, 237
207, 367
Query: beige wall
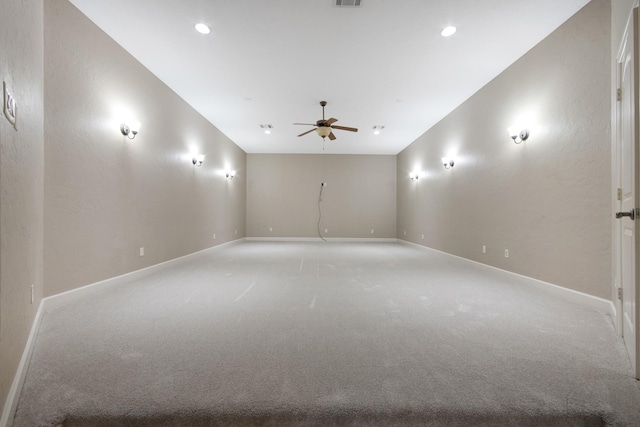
21, 181
283, 190
547, 200
105, 195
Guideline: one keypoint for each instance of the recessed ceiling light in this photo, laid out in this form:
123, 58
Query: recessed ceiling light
203, 28
448, 32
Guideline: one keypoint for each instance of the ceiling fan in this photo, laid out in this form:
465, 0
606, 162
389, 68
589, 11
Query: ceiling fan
324, 127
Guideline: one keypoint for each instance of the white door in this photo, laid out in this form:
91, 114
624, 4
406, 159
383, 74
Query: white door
628, 168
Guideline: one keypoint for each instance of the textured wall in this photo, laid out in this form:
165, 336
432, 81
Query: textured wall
21, 181
107, 196
547, 200
283, 190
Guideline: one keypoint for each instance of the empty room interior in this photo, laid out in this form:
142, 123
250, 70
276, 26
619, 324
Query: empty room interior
329, 212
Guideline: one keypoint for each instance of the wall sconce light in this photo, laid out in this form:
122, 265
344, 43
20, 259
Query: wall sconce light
130, 131
198, 159
414, 176
518, 136
230, 174
448, 163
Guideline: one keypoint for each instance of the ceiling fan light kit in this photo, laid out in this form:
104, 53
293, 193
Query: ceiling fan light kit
323, 131
324, 128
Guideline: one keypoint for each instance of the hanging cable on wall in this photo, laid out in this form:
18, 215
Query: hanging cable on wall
322, 184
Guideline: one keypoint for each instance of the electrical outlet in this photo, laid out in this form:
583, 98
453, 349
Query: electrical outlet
506, 253
423, 237
405, 232
214, 236
235, 232
484, 249
270, 228
372, 231
326, 230
32, 293
141, 251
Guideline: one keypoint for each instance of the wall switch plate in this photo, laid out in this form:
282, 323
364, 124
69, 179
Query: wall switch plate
9, 104
506, 253
32, 293
141, 251
484, 249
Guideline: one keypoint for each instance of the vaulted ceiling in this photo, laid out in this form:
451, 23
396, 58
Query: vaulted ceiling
270, 62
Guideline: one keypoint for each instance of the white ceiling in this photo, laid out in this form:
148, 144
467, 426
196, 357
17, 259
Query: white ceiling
273, 61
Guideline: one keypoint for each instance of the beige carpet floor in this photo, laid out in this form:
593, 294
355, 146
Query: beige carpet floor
325, 334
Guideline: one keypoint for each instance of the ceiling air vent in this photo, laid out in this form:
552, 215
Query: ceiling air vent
347, 2
267, 128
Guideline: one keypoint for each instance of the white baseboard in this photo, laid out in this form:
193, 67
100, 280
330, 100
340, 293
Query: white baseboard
603, 305
318, 239
11, 404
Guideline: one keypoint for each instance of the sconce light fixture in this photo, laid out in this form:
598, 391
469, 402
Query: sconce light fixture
230, 174
130, 131
518, 136
414, 176
198, 159
447, 162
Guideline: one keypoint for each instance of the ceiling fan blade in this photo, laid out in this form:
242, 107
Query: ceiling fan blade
345, 128
330, 121
332, 136
304, 133
306, 124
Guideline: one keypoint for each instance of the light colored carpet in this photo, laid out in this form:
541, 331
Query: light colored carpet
325, 334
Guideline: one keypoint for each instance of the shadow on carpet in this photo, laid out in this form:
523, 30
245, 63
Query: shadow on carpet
341, 419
